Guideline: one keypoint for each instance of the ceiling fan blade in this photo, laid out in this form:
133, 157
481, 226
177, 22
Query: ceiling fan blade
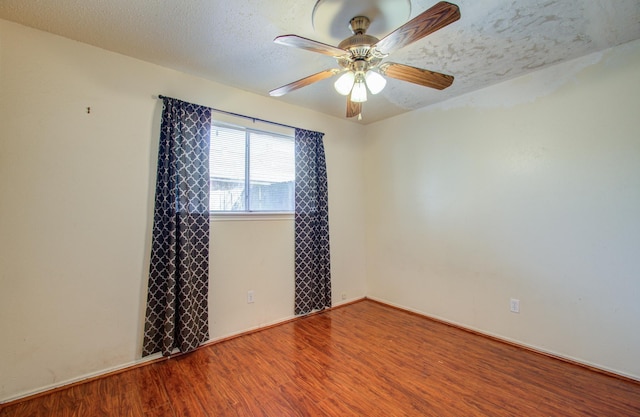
303, 82
310, 45
429, 21
416, 75
353, 108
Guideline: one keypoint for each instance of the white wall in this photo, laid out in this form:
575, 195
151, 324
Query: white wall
76, 202
528, 189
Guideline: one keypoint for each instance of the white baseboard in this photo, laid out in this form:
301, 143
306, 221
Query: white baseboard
534, 348
80, 378
220, 338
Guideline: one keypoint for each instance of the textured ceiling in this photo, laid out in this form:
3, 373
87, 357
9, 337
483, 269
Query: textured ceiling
231, 42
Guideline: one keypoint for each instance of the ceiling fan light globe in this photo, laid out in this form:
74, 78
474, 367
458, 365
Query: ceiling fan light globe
344, 84
375, 82
359, 92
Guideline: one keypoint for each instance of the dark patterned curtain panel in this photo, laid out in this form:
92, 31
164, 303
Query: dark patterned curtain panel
177, 306
312, 262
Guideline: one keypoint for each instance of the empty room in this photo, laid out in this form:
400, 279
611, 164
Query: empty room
320, 208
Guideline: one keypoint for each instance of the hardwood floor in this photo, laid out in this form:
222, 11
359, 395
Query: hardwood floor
365, 359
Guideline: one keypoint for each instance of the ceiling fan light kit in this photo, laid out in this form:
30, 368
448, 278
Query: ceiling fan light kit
375, 81
348, 80
344, 83
359, 92
360, 56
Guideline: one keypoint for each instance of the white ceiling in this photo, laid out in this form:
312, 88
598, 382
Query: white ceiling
231, 41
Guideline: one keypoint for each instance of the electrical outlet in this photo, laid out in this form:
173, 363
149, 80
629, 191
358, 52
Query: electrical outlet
514, 305
344, 295
250, 297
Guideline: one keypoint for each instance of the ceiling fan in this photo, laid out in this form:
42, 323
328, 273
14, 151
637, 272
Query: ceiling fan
360, 57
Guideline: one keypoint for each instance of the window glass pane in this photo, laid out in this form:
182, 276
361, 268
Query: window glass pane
271, 172
227, 169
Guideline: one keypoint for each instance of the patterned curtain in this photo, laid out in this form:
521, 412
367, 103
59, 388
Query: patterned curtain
177, 306
312, 262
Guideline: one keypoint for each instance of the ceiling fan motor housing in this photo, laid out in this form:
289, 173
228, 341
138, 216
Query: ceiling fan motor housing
362, 55
358, 45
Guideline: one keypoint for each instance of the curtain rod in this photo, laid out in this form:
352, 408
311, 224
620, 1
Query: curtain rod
254, 119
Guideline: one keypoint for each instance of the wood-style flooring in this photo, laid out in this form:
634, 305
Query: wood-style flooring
364, 359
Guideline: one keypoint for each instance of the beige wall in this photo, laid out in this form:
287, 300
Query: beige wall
76, 210
528, 189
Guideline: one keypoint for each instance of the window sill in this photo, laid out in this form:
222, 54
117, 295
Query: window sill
250, 216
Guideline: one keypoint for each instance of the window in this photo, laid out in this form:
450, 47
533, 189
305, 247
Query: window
250, 170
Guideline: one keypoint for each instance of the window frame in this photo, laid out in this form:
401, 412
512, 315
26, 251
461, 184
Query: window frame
247, 213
